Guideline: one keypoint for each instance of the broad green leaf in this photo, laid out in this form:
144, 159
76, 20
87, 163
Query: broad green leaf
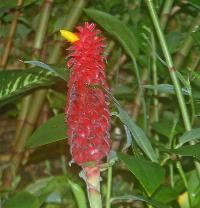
188, 150
165, 194
149, 174
138, 134
53, 130
79, 194
189, 136
166, 88
22, 200
60, 72
117, 28
129, 198
16, 82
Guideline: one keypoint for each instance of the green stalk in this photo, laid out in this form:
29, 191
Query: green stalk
141, 92
155, 79
11, 34
166, 13
188, 43
183, 177
74, 15
109, 187
37, 45
170, 65
172, 72
39, 96
25, 126
92, 179
139, 96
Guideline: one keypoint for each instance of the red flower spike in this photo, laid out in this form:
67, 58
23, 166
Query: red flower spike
87, 112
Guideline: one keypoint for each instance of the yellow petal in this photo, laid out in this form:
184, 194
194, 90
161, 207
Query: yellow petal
69, 36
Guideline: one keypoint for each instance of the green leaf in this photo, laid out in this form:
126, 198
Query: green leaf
22, 200
60, 72
138, 134
188, 150
8, 4
165, 194
79, 194
50, 189
149, 174
195, 3
138, 198
17, 82
166, 88
193, 134
53, 130
167, 127
117, 28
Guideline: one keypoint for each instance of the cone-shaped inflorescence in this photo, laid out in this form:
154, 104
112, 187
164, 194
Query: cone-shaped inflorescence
87, 112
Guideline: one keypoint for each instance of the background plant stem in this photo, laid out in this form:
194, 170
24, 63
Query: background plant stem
172, 72
109, 187
187, 45
166, 13
24, 124
8, 44
170, 65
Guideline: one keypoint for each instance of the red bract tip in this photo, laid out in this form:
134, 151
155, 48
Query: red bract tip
88, 117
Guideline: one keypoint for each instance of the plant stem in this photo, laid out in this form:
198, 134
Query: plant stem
71, 20
11, 34
170, 65
92, 179
37, 46
109, 187
155, 80
188, 43
166, 13
182, 174
138, 96
141, 92
172, 72
39, 96
26, 118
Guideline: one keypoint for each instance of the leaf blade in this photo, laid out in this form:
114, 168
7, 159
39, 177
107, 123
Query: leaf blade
117, 28
53, 130
149, 174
